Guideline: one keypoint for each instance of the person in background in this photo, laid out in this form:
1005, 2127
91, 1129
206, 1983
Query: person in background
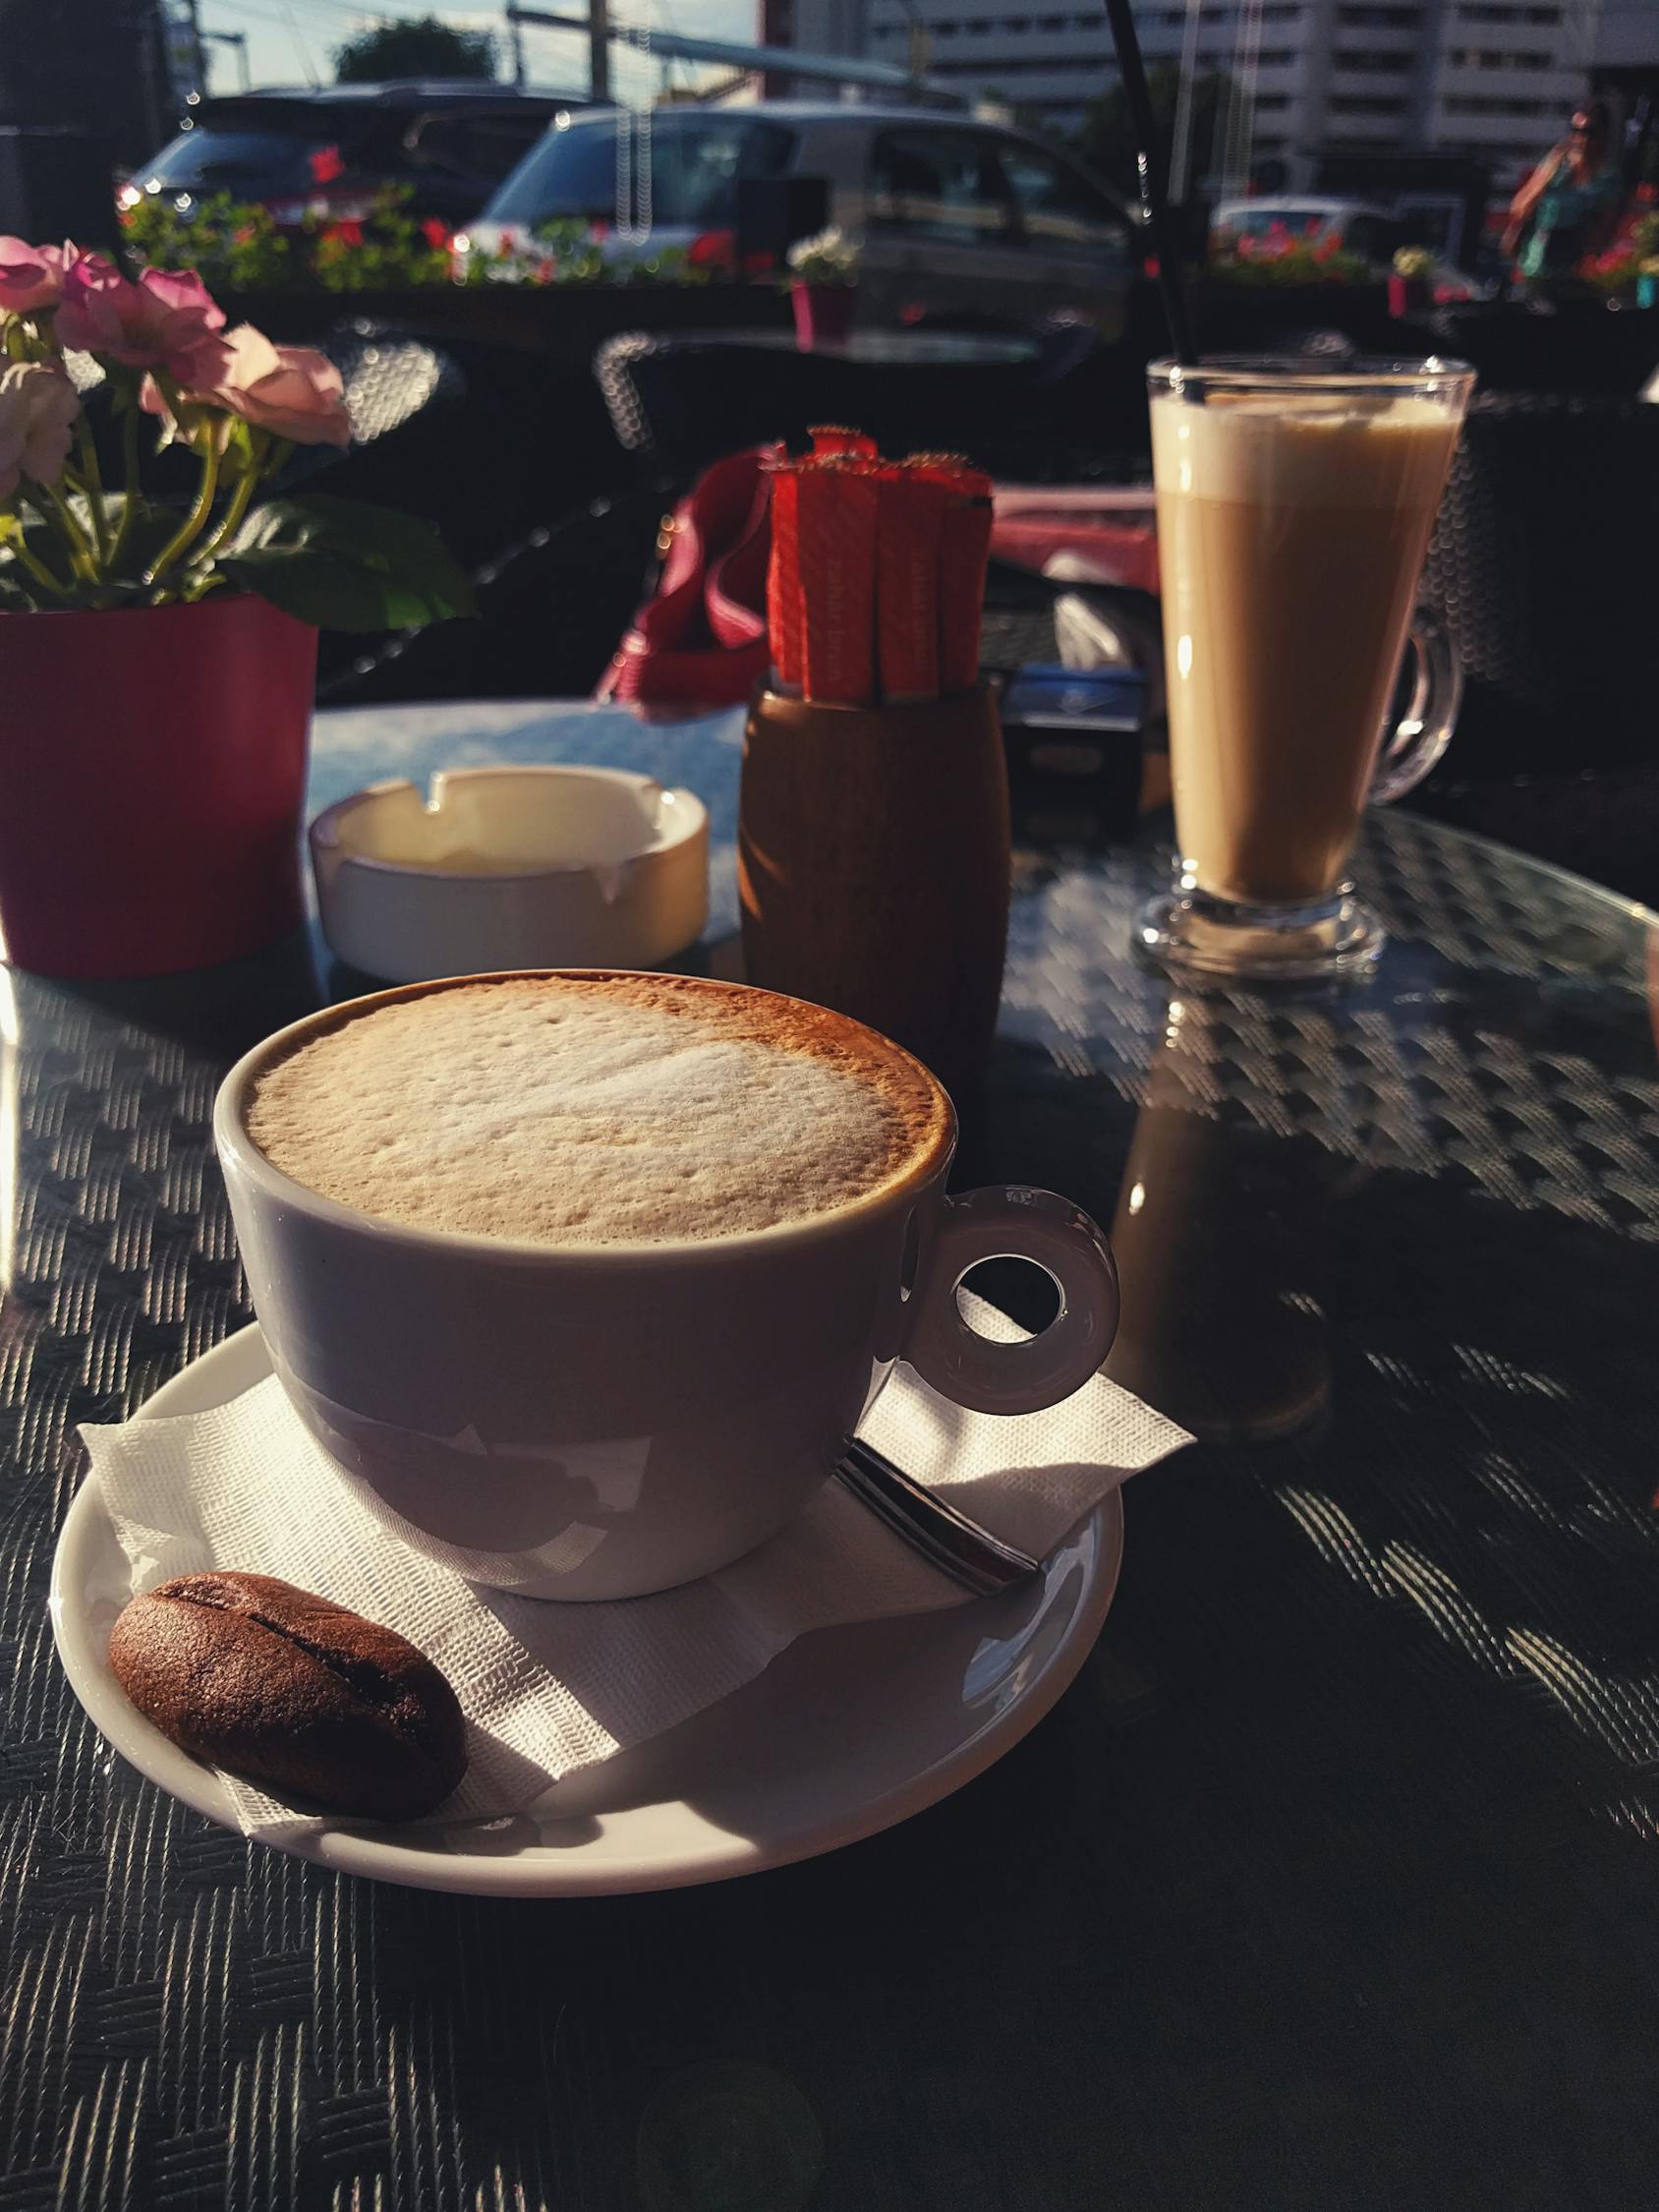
1567, 207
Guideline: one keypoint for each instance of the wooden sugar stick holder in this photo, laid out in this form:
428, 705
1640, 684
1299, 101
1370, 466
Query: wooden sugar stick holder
872, 865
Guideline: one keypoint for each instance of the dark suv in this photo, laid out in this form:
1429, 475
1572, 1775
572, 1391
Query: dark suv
327, 152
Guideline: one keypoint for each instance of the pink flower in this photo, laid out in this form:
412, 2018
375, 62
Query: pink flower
436, 231
165, 321
31, 276
37, 405
348, 231
326, 164
292, 391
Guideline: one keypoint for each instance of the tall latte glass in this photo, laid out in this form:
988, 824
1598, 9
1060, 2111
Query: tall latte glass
1295, 502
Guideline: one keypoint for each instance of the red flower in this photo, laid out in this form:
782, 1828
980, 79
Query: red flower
348, 231
1325, 252
546, 269
244, 236
326, 164
1311, 229
435, 232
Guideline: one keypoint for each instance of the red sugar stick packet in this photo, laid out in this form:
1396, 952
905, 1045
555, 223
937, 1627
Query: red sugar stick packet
964, 547
835, 509
831, 441
784, 578
910, 513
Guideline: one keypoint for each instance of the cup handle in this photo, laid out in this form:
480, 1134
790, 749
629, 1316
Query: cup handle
1014, 1223
1425, 731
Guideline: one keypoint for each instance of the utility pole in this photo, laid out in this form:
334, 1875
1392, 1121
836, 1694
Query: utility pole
192, 17
1180, 151
237, 40
599, 48
596, 24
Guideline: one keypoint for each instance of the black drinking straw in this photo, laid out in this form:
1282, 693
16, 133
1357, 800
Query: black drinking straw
1148, 167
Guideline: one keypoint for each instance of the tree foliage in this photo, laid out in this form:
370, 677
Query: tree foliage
422, 46
1106, 139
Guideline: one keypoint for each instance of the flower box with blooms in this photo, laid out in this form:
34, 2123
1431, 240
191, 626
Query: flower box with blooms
1282, 256
824, 286
158, 658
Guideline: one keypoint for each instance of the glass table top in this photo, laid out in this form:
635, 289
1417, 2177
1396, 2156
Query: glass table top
1329, 1884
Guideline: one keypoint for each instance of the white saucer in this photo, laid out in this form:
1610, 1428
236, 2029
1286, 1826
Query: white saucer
851, 1730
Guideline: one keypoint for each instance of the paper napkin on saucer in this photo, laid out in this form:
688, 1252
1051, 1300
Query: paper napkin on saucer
550, 1688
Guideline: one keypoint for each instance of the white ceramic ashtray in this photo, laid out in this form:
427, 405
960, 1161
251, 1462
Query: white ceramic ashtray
511, 867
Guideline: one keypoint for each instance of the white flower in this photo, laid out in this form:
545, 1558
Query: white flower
37, 405
829, 257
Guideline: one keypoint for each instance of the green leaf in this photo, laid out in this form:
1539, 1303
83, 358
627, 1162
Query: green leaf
347, 566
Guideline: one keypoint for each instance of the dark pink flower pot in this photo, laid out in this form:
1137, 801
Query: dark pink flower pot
152, 778
1409, 295
822, 312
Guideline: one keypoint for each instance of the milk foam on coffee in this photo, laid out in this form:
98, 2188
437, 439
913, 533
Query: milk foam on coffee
595, 1110
1292, 531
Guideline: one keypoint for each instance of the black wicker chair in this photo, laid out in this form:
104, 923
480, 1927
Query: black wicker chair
1543, 565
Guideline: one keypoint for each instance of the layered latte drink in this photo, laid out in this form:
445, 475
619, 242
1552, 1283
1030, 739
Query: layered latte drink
1294, 510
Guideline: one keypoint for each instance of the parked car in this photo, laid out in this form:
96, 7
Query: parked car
327, 152
1361, 227
953, 217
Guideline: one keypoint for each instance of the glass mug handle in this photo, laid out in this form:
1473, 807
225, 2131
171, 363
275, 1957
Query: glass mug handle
1425, 729
1013, 1223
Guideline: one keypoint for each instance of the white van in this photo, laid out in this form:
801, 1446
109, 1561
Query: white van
954, 216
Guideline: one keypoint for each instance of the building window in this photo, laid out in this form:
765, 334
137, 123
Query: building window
1378, 19
1493, 57
1270, 102
1374, 62
1462, 103
1362, 103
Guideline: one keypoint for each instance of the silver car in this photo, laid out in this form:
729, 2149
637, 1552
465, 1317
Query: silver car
954, 216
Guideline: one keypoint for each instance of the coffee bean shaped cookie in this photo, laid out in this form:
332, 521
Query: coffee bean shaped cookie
292, 1693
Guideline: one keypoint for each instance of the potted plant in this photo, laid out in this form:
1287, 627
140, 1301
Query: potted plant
1408, 286
823, 286
158, 654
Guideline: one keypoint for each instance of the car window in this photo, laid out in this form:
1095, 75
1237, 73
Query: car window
1370, 236
943, 185
696, 164
205, 159
478, 145
1056, 206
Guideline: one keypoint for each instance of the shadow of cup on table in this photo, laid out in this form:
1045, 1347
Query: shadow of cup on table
1221, 1328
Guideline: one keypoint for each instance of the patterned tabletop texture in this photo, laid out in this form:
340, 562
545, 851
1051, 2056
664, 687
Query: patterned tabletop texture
1328, 1885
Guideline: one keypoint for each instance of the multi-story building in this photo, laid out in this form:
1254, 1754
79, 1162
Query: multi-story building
1491, 78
